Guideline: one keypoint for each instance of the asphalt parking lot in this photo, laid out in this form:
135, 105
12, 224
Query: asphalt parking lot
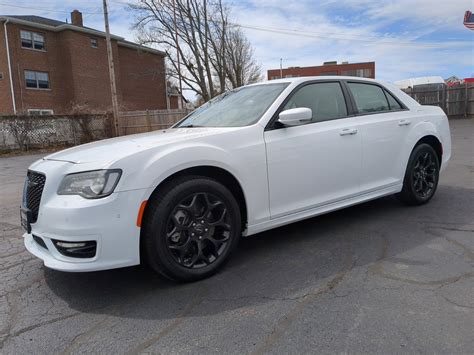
378, 278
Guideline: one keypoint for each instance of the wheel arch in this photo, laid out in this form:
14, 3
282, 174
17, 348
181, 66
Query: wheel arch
222, 175
434, 142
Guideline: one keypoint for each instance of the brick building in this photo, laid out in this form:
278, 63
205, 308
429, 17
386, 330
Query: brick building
365, 70
49, 66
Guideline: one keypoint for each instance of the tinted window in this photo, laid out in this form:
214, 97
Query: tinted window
394, 105
368, 98
326, 100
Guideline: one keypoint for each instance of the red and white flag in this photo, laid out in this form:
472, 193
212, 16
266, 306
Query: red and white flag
469, 20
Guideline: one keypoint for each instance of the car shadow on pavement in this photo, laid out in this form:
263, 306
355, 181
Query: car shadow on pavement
291, 262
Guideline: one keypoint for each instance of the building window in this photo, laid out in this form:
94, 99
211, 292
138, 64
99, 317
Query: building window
94, 43
1, 75
32, 40
40, 112
36, 79
26, 39
362, 73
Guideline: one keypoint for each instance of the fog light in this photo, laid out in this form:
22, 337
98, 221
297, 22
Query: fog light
70, 245
82, 250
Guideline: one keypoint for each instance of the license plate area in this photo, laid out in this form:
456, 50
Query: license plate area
25, 219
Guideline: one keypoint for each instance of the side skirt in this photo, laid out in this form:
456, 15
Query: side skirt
299, 216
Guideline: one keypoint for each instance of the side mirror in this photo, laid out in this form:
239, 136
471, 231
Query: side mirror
295, 116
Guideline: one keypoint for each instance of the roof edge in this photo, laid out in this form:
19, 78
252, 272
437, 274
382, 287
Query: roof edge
59, 28
120, 40
137, 46
320, 66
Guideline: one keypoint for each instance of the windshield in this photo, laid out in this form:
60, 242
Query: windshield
237, 108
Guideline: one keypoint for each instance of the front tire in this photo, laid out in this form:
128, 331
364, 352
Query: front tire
191, 227
421, 176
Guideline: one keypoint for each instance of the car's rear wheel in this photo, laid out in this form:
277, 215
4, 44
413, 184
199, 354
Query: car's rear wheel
421, 176
191, 226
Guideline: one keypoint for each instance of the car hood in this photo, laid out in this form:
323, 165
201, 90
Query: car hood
110, 150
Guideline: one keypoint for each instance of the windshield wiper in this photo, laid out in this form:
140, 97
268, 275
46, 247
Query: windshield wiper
189, 126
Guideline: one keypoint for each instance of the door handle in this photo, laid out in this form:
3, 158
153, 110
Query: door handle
348, 132
403, 123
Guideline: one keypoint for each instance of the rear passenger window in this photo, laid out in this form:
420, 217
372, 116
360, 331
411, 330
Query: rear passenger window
369, 98
326, 100
394, 105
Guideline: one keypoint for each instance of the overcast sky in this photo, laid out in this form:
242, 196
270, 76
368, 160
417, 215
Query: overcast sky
405, 38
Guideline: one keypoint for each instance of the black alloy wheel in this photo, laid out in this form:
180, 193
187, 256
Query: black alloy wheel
421, 176
424, 175
198, 230
191, 226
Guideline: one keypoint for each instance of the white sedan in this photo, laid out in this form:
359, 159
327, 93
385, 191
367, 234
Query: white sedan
250, 160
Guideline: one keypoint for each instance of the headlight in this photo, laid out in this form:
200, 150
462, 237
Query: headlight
90, 184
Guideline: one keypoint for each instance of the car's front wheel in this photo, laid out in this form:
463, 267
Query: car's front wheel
191, 226
421, 176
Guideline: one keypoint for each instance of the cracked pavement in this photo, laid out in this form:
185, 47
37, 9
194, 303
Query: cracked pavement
378, 278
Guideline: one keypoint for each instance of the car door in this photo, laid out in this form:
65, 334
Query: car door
317, 163
384, 125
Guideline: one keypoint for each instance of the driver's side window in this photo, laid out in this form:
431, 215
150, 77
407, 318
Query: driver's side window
326, 100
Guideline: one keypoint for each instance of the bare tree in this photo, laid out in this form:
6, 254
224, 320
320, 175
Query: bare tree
241, 68
213, 54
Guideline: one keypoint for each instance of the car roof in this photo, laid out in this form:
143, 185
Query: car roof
407, 100
303, 79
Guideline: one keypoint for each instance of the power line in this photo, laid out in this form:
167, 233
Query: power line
99, 11
120, 2
43, 9
299, 32
344, 37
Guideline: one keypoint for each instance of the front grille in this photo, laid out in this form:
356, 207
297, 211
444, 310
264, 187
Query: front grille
32, 192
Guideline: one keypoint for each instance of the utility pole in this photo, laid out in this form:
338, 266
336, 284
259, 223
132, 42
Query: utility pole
113, 85
177, 55
167, 92
281, 68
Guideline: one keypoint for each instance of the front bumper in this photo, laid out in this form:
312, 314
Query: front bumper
53, 260
110, 222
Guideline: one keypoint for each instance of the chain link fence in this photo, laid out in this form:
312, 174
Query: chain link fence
33, 132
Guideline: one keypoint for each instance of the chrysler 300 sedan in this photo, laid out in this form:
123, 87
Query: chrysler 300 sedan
254, 158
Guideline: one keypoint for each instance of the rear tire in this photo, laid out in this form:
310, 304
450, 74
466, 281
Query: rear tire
421, 176
191, 227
